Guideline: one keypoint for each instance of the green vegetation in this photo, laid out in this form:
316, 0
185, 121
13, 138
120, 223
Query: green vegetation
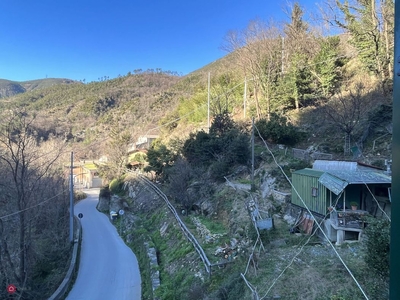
278, 130
225, 146
159, 159
304, 89
378, 246
116, 186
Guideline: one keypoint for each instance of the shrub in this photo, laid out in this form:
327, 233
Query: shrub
79, 195
196, 291
378, 245
233, 288
116, 186
278, 130
221, 149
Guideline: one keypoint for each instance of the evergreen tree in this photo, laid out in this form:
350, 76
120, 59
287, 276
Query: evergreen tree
326, 66
370, 34
299, 44
159, 158
221, 149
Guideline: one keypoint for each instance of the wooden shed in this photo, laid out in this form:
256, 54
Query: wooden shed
332, 190
308, 191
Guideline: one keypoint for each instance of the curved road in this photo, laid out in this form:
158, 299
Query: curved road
108, 269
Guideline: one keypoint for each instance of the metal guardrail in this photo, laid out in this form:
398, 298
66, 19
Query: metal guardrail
185, 230
62, 289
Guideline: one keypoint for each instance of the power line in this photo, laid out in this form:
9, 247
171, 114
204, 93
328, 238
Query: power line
318, 225
380, 208
31, 207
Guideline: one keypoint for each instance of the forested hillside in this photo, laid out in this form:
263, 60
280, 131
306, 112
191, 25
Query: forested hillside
10, 88
304, 88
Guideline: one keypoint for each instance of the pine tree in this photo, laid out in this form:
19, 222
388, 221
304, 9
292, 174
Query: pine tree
299, 49
325, 67
370, 27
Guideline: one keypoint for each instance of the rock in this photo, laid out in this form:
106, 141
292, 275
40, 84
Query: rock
234, 243
115, 203
267, 186
281, 197
104, 204
289, 219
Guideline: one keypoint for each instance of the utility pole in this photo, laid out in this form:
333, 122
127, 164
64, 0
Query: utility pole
208, 101
282, 55
394, 287
244, 98
71, 200
253, 187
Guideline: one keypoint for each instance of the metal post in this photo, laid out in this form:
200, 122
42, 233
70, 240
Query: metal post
394, 290
71, 200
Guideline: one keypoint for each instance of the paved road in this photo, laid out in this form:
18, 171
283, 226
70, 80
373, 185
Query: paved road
108, 269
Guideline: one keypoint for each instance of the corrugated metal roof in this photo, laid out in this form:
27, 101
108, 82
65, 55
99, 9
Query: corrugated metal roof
354, 177
337, 180
309, 172
327, 165
334, 184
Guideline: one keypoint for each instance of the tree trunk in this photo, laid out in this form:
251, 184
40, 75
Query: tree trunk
22, 256
385, 17
347, 144
257, 103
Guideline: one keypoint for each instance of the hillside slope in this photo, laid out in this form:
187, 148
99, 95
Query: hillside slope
10, 88
89, 115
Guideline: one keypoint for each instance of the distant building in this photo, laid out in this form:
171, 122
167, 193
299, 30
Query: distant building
142, 143
85, 174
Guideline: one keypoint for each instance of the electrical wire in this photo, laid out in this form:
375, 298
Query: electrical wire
383, 212
31, 207
312, 215
350, 55
181, 117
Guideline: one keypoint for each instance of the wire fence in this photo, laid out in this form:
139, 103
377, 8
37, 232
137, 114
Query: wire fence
307, 155
182, 225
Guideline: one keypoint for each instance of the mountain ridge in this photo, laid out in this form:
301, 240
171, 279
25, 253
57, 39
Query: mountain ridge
9, 88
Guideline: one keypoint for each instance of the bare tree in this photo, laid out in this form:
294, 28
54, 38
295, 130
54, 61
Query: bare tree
30, 179
347, 113
258, 52
180, 177
117, 147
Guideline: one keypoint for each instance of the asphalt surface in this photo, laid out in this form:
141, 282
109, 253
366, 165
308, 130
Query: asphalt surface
108, 269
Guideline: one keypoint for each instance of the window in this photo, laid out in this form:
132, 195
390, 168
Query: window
314, 192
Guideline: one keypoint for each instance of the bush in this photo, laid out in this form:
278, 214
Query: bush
79, 195
221, 149
278, 130
378, 245
233, 288
116, 186
196, 291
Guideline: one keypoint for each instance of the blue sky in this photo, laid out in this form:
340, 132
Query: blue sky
89, 39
